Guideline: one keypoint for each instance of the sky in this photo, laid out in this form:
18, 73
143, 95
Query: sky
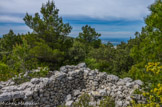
111, 18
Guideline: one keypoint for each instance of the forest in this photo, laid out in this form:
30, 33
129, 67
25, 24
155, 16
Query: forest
48, 45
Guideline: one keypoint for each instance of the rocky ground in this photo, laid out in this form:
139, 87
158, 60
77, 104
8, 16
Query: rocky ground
67, 85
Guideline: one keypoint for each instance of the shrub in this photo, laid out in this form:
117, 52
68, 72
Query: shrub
153, 86
5, 72
42, 73
107, 102
83, 101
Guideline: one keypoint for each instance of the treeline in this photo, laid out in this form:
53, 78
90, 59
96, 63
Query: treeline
48, 45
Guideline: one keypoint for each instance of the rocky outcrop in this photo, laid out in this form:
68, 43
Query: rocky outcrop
66, 85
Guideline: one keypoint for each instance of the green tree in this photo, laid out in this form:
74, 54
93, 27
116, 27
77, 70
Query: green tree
6, 72
46, 55
90, 36
77, 52
50, 27
101, 58
149, 47
20, 60
53, 32
8, 41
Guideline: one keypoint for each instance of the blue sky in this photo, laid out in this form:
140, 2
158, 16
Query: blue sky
111, 18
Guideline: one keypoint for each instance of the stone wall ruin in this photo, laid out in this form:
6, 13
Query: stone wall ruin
66, 85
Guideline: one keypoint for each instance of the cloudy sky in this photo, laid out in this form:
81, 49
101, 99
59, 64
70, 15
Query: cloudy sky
111, 18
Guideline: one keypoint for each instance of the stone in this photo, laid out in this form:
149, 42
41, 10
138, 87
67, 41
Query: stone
95, 83
1, 86
119, 103
28, 93
98, 102
72, 73
93, 73
76, 92
68, 84
136, 96
128, 84
81, 65
36, 70
26, 74
95, 94
86, 72
102, 75
119, 92
60, 75
35, 81
136, 86
68, 97
51, 73
63, 69
68, 103
18, 94
92, 103
70, 78
5, 97
102, 92
127, 79
125, 104
112, 78
139, 82
120, 83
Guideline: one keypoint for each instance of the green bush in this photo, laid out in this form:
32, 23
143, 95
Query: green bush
92, 63
107, 102
83, 101
5, 72
153, 85
42, 73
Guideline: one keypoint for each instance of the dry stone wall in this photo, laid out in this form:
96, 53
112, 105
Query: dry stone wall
66, 85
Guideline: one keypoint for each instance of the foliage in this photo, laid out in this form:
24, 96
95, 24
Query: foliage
101, 58
92, 63
148, 52
153, 90
49, 42
5, 72
89, 36
41, 73
149, 46
149, 49
83, 101
109, 59
44, 54
107, 102
20, 59
9, 41
77, 52
50, 27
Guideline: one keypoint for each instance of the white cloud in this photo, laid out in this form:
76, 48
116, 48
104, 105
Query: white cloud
21, 6
103, 9
10, 11
7, 18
